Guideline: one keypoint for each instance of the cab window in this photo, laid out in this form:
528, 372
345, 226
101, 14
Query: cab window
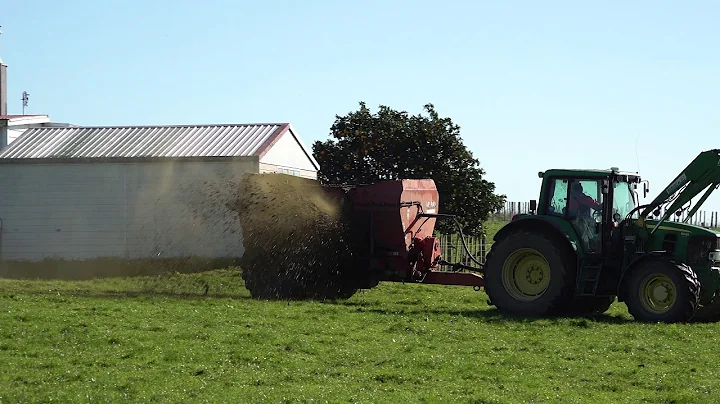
558, 197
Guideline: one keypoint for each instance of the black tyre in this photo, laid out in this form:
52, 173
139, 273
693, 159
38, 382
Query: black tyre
660, 290
587, 306
528, 274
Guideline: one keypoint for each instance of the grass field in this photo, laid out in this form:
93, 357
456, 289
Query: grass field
200, 338
492, 227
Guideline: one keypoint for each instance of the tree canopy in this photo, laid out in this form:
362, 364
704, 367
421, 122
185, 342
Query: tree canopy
365, 148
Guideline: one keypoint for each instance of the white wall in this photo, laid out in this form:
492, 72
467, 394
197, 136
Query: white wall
287, 153
270, 168
13, 134
83, 211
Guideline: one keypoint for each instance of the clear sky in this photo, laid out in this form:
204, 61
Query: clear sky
533, 84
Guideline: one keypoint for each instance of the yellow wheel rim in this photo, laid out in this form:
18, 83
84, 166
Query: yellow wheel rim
657, 293
526, 274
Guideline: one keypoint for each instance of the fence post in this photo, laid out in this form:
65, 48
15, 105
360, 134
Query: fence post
483, 240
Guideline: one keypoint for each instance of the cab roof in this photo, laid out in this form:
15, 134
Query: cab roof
589, 172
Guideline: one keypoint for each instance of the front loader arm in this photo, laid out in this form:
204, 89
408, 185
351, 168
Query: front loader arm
702, 173
702, 200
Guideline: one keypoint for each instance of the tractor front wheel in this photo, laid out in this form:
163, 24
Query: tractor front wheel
660, 290
526, 274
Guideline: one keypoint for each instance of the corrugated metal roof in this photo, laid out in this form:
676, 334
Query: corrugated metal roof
144, 141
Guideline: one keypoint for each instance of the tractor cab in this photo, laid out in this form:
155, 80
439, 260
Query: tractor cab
592, 202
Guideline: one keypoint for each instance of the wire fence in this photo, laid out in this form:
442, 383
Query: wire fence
452, 250
708, 219
701, 218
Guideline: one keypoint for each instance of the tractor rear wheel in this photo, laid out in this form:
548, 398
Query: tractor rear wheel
660, 290
527, 274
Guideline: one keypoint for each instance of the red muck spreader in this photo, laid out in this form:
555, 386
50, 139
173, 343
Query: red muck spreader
396, 220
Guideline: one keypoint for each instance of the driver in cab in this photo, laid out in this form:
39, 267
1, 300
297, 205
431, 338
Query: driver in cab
580, 204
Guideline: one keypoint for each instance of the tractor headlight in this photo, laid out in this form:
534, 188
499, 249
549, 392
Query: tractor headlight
714, 256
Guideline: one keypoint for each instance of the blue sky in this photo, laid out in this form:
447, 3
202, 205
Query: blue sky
533, 85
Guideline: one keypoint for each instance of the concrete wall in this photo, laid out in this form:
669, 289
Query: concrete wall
135, 210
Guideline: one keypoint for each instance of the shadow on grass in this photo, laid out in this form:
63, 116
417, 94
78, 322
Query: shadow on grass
492, 315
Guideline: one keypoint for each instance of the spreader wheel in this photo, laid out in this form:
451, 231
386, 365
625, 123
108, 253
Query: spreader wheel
660, 290
273, 284
268, 285
526, 274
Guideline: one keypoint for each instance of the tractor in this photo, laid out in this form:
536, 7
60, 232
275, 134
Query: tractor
588, 241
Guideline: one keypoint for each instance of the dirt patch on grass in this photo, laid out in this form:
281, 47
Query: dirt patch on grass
298, 239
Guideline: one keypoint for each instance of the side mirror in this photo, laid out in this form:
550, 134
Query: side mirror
533, 205
646, 189
617, 217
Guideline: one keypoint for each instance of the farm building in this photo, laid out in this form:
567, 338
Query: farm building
12, 126
82, 193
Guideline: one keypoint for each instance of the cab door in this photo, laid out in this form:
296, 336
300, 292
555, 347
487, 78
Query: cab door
585, 202
580, 202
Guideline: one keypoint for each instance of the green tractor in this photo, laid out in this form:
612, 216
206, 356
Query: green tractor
589, 241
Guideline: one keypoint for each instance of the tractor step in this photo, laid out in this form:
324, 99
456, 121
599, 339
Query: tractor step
588, 277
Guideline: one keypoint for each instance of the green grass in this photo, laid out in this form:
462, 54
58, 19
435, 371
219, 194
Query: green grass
163, 339
492, 227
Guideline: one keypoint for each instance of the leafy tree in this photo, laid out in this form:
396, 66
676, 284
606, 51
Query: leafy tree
366, 148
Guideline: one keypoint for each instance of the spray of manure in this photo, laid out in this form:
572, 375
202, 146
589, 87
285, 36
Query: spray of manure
297, 237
